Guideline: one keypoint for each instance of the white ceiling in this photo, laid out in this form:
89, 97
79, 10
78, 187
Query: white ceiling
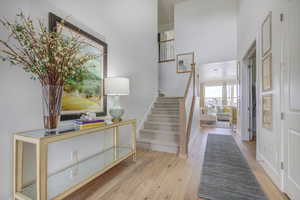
218, 71
166, 11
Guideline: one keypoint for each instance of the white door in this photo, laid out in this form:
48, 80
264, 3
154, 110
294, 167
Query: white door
291, 134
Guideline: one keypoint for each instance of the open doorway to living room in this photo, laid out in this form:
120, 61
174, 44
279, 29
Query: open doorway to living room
218, 95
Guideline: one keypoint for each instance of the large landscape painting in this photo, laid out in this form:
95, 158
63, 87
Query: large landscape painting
87, 92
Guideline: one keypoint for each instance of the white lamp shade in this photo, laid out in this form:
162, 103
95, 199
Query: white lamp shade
116, 86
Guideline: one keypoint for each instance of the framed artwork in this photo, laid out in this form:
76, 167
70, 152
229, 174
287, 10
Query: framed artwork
266, 30
267, 111
184, 62
267, 73
86, 93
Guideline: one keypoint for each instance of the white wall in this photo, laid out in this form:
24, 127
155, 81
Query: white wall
251, 15
130, 29
171, 83
209, 28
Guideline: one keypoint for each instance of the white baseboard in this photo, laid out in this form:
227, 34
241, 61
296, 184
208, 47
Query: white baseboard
141, 125
270, 170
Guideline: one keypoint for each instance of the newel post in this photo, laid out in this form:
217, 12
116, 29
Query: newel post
182, 127
194, 78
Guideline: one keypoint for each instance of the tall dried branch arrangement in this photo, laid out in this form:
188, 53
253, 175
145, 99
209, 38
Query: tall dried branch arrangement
49, 56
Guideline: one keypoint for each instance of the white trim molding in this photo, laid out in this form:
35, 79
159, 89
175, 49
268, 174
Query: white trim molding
141, 125
271, 171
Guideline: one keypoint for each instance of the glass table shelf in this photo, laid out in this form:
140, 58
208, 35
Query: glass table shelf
77, 173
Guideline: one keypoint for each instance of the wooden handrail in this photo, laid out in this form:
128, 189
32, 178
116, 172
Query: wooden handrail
188, 85
189, 127
186, 126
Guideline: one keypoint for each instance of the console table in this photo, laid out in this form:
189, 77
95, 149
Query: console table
58, 185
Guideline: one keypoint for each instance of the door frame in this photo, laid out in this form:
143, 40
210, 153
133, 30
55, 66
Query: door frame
244, 91
250, 93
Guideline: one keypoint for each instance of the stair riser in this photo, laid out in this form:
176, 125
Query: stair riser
169, 97
167, 102
155, 147
162, 124
160, 136
158, 119
165, 112
164, 116
161, 127
160, 132
165, 109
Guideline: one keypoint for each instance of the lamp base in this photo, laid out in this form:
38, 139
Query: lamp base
116, 120
116, 111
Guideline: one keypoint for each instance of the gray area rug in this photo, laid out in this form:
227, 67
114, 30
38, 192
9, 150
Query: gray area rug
226, 174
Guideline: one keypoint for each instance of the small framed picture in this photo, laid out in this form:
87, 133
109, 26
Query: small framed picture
267, 111
267, 73
266, 31
184, 62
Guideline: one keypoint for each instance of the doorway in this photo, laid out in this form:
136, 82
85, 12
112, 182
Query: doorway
249, 99
252, 95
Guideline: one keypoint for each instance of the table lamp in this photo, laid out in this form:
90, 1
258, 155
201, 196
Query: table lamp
116, 87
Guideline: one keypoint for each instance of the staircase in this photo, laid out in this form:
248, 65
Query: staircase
161, 130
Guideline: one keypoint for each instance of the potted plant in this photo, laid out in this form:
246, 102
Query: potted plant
50, 57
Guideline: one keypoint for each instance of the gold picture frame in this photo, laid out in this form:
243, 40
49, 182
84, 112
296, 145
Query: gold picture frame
266, 35
267, 73
184, 62
267, 111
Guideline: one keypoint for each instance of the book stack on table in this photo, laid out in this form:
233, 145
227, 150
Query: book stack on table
83, 124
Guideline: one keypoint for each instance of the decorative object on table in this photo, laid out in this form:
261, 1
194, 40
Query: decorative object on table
83, 124
267, 73
116, 87
88, 116
266, 34
267, 111
184, 62
86, 92
50, 57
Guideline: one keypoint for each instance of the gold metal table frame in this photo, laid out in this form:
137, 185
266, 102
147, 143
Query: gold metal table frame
41, 143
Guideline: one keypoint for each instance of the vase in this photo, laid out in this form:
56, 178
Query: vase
52, 95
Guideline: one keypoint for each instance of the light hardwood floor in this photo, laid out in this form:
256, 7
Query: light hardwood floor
163, 176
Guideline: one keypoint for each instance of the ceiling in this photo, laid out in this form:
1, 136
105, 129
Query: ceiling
166, 11
218, 71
